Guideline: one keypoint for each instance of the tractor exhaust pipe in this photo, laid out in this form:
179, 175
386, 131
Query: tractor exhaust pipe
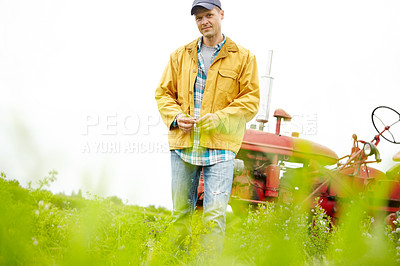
265, 94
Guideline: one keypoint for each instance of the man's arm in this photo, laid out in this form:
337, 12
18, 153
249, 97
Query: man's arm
166, 93
166, 97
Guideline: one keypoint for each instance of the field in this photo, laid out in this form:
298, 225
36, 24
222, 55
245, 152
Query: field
40, 228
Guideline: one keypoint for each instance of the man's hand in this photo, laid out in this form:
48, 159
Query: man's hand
208, 122
185, 122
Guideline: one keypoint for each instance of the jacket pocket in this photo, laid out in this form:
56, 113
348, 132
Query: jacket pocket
226, 80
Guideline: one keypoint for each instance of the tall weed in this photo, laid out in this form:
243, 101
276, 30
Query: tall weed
40, 228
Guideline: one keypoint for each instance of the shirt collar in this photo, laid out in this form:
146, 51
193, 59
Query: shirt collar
218, 46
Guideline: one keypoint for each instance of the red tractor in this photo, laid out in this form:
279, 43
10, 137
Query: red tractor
271, 167
278, 168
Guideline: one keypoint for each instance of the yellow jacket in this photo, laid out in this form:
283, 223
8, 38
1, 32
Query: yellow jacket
231, 92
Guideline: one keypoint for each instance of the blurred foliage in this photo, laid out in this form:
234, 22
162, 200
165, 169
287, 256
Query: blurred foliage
40, 228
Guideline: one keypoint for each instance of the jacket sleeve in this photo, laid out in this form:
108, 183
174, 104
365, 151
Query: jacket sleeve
245, 106
166, 93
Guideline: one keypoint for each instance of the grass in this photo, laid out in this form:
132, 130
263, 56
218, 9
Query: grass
40, 228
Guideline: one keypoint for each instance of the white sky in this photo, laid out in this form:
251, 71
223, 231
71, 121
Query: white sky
65, 65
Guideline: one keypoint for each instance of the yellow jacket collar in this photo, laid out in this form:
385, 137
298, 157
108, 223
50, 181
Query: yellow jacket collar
229, 46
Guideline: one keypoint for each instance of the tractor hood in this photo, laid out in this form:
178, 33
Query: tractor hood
296, 149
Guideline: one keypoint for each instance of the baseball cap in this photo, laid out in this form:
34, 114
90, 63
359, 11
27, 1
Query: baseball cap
208, 4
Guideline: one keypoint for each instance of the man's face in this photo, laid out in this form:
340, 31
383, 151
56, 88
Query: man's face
209, 22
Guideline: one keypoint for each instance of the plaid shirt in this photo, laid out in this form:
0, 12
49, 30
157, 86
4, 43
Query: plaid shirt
198, 155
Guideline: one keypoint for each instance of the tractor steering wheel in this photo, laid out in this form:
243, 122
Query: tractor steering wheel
391, 124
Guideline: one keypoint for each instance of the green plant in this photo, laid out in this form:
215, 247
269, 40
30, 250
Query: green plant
39, 228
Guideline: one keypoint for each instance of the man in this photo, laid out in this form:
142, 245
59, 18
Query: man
207, 93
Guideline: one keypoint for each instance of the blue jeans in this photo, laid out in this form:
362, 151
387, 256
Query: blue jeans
217, 190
